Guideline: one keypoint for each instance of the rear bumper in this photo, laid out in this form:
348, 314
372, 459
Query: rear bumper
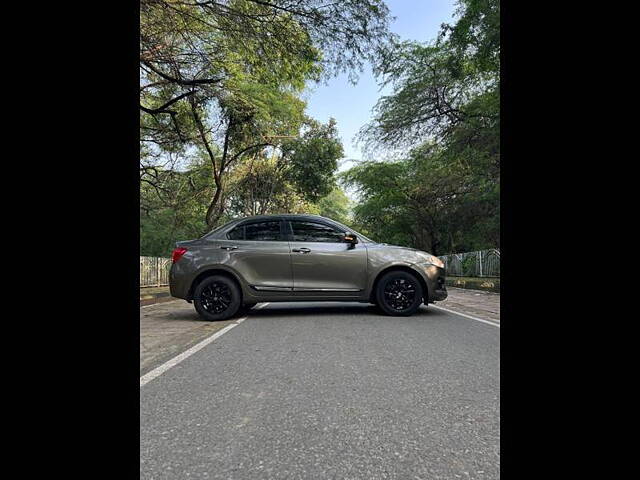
178, 282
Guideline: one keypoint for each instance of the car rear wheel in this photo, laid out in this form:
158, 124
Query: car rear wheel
217, 298
399, 293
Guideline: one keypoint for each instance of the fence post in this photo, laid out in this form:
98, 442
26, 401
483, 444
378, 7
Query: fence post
480, 257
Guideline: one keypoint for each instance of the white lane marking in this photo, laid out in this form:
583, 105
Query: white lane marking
156, 372
158, 303
468, 316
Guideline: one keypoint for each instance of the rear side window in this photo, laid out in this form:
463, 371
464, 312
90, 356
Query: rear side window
259, 232
315, 232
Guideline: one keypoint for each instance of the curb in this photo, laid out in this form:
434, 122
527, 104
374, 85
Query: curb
155, 298
483, 284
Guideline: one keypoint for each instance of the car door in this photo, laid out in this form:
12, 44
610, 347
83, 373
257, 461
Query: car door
259, 251
322, 261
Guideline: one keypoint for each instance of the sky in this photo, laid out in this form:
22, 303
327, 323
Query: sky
351, 105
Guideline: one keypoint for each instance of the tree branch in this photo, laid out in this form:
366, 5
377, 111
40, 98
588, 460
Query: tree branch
179, 81
163, 108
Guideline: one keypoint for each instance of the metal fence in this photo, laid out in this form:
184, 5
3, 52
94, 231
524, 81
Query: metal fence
154, 271
483, 263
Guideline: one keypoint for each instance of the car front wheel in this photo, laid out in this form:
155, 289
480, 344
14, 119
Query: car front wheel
217, 298
399, 293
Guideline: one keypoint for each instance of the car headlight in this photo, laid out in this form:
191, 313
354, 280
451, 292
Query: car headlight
434, 260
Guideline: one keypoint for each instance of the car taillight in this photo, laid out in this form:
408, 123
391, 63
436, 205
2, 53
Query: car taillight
177, 254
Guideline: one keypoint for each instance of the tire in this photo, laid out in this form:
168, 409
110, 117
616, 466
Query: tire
399, 293
217, 298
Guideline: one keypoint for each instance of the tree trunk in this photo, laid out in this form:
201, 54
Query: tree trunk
211, 217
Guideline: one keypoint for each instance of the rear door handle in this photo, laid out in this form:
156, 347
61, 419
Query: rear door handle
228, 247
301, 250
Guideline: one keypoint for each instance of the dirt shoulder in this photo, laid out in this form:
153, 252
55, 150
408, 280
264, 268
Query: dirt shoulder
168, 329
151, 295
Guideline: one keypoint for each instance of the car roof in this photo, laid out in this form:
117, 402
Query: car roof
283, 215
256, 218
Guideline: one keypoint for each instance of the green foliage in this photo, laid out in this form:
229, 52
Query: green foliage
312, 159
336, 205
443, 195
172, 207
241, 55
224, 132
261, 186
475, 37
174, 202
382, 212
223, 79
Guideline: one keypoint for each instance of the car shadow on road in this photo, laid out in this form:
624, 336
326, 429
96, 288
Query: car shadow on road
318, 310
285, 310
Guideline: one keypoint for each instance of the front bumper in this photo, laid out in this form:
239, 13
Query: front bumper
435, 280
440, 290
440, 294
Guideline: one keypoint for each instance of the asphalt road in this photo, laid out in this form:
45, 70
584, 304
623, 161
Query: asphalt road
329, 391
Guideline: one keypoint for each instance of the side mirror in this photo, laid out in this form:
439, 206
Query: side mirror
350, 238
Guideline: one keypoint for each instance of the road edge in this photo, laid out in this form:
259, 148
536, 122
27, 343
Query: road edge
488, 322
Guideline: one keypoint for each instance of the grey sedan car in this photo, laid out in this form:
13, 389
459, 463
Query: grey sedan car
291, 258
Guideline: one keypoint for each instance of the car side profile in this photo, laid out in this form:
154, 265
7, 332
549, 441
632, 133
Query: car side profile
289, 258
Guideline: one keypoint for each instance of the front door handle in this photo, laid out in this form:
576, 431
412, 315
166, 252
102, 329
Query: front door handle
228, 247
301, 250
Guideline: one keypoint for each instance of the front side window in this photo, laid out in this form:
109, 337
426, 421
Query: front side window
315, 232
259, 232
237, 233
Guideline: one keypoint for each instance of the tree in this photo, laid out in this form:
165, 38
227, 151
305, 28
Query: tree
189, 47
260, 187
311, 160
291, 177
174, 202
249, 119
223, 78
443, 116
336, 205
172, 206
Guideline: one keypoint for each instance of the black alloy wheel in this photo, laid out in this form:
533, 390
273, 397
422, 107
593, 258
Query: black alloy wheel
217, 298
399, 293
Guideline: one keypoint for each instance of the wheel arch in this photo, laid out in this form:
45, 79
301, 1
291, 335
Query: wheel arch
215, 270
403, 268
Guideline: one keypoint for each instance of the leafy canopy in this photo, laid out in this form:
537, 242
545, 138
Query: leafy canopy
443, 118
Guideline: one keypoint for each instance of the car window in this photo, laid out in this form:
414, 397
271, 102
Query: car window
236, 234
315, 232
216, 230
261, 231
